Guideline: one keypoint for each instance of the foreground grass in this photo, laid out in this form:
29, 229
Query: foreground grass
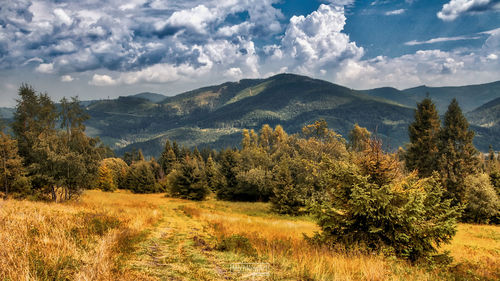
122, 236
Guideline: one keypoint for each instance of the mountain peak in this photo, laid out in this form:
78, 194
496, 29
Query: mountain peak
152, 97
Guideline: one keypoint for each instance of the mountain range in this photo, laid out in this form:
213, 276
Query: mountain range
215, 116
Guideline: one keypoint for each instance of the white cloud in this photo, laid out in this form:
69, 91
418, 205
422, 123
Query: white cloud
456, 8
234, 73
67, 78
316, 42
340, 2
45, 68
442, 39
492, 57
424, 67
63, 16
102, 80
395, 12
196, 18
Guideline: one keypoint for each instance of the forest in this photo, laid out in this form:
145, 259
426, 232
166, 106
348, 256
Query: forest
362, 197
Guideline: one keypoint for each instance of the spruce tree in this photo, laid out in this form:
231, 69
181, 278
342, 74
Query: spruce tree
12, 173
423, 148
187, 181
105, 179
168, 158
457, 155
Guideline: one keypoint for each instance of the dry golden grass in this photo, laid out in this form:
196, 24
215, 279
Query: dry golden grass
73, 241
123, 236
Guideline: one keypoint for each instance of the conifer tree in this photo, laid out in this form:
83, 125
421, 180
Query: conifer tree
422, 151
105, 179
212, 173
34, 115
457, 155
12, 173
491, 162
141, 178
167, 158
227, 186
188, 181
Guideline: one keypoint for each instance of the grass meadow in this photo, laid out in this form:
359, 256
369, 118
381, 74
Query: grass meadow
124, 236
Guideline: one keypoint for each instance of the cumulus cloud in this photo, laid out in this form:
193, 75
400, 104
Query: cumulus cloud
152, 42
45, 68
492, 57
80, 36
102, 80
455, 8
424, 67
67, 78
316, 43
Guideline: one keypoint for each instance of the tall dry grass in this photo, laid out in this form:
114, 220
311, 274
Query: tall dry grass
85, 240
280, 241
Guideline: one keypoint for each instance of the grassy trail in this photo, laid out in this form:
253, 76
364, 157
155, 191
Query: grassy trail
174, 251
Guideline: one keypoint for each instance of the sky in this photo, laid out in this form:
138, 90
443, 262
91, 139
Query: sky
98, 49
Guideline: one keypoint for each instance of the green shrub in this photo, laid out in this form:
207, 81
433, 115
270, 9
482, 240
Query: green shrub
482, 201
408, 218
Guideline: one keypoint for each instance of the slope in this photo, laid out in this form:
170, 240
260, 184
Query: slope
216, 115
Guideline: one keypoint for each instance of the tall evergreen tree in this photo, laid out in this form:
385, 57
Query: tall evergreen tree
423, 148
167, 158
188, 180
12, 173
35, 114
457, 155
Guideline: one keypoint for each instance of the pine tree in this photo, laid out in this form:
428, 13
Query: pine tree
491, 162
212, 173
105, 179
457, 155
188, 181
228, 167
119, 170
35, 114
141, 178
422, 151
13, 174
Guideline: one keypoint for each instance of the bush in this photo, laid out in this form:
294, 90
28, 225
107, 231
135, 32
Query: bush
187, 181
408, 218
482, 201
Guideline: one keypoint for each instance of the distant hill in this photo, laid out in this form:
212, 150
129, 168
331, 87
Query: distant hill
216, 115
469, 97
6, 113
485, 120
152, 97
